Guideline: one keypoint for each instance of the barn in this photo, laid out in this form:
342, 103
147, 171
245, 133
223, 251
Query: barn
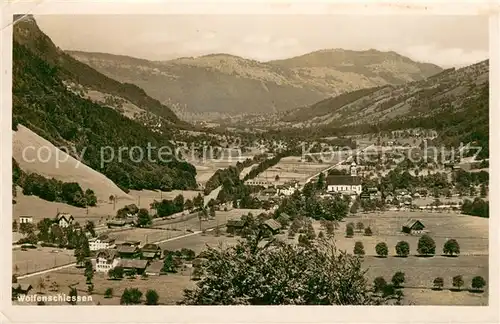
413, 226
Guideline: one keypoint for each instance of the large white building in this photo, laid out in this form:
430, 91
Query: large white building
345, 183
106, 260
101, 243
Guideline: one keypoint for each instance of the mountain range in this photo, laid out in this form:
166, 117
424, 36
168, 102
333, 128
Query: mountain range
228, 84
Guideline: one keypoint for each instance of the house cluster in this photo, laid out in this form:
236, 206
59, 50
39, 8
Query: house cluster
61, 219
130, 257
236, 226
286, 189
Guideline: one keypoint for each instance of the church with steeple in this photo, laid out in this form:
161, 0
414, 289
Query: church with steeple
347, 184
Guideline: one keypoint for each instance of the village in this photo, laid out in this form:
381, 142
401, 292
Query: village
398, 216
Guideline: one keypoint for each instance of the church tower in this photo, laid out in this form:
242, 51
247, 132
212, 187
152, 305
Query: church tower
354, 172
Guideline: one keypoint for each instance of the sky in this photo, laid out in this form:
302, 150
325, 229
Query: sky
443, 40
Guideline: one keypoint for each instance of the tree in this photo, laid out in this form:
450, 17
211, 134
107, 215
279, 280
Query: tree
143, 218
368, 231
451, 247
26, 228
349, 231
438, 283
381, 249
484, 191
359, 249
478, 283
169, 264
188, 204
73, 295
398, 279
108, 293
152, 297
116, 273
89, 271
360, 226
131, 296
14, 226
378, 284
90, 289
90, 227
54, 286
277, 178
426, 245
198, 201
458, 282
320, 184
277, 273
402, 249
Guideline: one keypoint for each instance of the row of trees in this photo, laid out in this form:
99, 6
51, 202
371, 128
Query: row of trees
477, 283
426, 246
51, 189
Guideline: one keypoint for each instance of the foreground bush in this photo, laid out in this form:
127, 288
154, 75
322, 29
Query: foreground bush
276, 273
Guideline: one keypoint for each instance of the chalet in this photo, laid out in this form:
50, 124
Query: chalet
235, 226
150, 251
106, 260
413, 226
25, 219
272, 225
128, 265
101, 243
345, 183
64, 219
127, 251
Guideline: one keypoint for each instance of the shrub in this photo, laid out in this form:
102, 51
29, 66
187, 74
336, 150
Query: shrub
402, 249
152, 297
360, 226
478, 283
381, 249
359, 249
458, 282
379, 283
368, 231
108, 293
398, 279
349, 231
438, 283
451, 247
426, 245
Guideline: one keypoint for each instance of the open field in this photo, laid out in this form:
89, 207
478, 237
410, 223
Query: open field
291, 168
35, 154
42, 258
470, 232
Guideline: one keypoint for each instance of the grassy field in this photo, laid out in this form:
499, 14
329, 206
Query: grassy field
42, 258
291, 168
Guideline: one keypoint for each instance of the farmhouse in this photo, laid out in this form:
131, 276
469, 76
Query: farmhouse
64, 219
106, 260
101, 243
133, 265
25, 219
413, 226
150, 251
272, 225
234, 226
345, 183
154, 269
127, 251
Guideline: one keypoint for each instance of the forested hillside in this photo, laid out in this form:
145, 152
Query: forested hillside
42, 103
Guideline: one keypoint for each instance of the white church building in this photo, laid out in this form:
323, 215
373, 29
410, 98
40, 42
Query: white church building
345, 183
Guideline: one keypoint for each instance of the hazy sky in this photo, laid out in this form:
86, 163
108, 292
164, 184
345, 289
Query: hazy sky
443, 40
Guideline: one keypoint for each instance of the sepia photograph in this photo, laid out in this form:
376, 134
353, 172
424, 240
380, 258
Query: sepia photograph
245, 159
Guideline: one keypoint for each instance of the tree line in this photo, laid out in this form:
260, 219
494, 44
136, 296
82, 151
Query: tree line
51, 189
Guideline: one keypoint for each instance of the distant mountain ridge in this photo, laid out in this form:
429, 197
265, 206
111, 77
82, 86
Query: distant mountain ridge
231, 84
